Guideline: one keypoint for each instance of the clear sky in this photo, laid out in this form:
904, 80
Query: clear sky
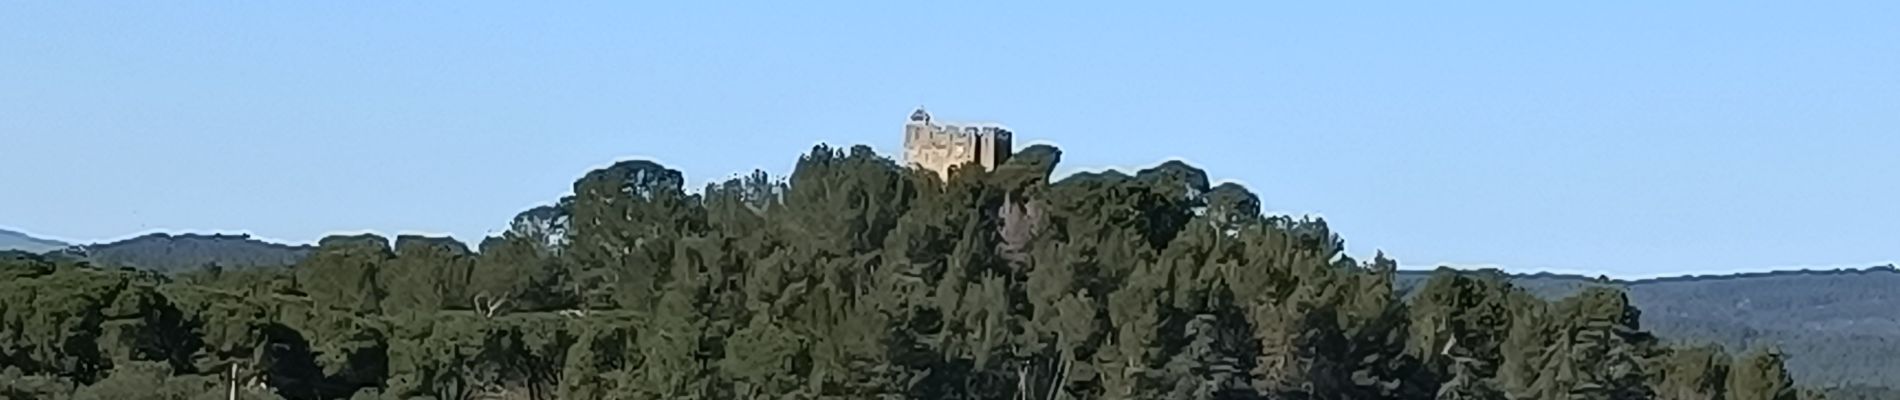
1633, 138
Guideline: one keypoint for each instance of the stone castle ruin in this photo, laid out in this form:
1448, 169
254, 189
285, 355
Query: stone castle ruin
938, 146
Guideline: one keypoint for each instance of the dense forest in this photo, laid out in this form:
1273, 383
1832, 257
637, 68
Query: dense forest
852, 278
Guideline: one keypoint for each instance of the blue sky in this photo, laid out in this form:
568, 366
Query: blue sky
1632, 138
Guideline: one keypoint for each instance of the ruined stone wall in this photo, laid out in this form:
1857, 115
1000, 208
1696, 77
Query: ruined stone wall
938, 147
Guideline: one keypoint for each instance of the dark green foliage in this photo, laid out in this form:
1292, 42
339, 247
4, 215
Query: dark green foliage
852, 278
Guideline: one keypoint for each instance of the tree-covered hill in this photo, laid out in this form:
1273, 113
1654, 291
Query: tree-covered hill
852, 278
1841, 327
176, 253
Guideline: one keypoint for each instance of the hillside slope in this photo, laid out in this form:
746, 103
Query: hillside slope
1837, 327
10, 240
175, 253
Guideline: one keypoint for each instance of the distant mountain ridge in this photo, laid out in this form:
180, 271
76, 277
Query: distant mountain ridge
11, 240
184, 252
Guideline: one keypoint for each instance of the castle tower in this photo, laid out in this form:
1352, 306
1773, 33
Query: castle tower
940, 146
